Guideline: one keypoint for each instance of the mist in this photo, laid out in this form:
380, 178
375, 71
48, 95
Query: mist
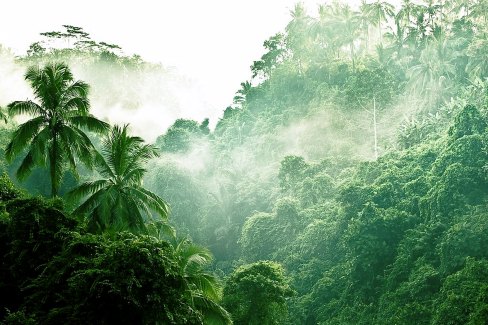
340, 180
12, 84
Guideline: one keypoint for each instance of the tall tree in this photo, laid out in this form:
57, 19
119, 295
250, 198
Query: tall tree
324, 35
348, 23
119, 201
407, 10
432, 77
298, 37
54, 135
478, 60
380, 11
242, 94
365, 20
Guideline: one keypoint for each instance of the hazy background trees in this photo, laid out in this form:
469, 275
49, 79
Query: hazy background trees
347, 177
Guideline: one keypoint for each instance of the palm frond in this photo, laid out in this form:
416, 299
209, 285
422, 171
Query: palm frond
68, 148
77, 89
207, 284
133, 217
139, 155
134, 176
86, 189
103, 168
24, 107
90, 123
79, 105
75, 141
92, 202
212, 312
3, 115
23, 136
33, 76
39, 146
166, 230
26, 166
152, 200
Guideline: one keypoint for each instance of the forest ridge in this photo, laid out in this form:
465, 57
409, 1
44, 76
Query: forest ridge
345, 184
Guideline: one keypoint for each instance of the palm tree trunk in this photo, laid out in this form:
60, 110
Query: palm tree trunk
52, 167
351, 46
379, 33
375, 131
367, 39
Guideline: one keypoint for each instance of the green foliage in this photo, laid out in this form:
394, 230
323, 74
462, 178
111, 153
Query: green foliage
124, 280
53, 272
181, 135
366, 85
464, 238
276, 52
292, 170
119, 201
203, 287
256, 294
7, 189
31, 233
463, 296
468, 122
19, 318
54, 136
289, 175
263, 234
258, 237
183, 193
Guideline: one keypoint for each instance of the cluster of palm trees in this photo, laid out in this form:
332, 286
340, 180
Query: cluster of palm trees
338, 24
55, 138
428, 40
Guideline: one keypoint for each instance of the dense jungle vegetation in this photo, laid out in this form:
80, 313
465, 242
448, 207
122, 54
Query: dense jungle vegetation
347, 183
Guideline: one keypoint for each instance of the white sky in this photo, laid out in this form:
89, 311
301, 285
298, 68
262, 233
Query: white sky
212, 42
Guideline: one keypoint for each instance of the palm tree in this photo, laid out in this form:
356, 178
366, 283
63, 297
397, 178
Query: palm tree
203, 287
324, 35
397, 36
118, 201
433, 9
55, 134
379, 11
365, 20
478, 60
348, 24
404, 15
242, 94
341, 26
298, 36
433, 74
